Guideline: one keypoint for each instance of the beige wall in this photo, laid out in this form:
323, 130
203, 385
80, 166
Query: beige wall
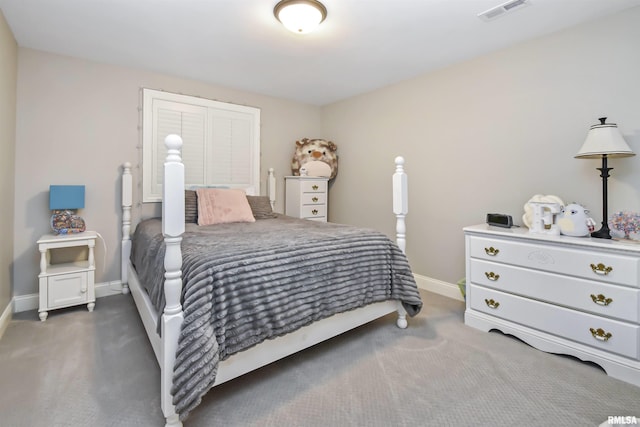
77, 122
485, 135
8, 82
482, 136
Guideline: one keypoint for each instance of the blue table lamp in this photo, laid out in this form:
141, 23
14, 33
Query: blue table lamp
63, 201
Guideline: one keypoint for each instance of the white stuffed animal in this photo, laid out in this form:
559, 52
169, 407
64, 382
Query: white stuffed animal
574, 221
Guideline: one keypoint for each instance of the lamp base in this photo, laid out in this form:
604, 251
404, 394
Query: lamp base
603, 233
66, 222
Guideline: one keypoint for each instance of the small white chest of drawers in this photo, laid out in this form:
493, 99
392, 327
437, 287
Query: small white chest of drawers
569, 295
307, 197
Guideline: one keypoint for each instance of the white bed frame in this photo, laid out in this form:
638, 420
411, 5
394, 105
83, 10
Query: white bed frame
171, 320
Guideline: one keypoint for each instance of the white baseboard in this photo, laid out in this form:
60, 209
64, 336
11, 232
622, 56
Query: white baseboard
446, 289
30, 302
5, 318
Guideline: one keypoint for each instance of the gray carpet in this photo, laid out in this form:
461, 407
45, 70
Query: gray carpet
80, 368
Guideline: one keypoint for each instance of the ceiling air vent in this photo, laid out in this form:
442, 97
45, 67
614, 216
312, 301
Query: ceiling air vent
496, 12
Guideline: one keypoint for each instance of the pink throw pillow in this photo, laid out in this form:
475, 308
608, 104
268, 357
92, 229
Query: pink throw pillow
218, 206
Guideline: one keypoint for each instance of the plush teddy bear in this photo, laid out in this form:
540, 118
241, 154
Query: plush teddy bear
315, 157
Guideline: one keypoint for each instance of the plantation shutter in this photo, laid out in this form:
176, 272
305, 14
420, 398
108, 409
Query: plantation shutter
189, 122
220, 142
228, 156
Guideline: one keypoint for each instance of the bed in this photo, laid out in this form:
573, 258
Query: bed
218, 301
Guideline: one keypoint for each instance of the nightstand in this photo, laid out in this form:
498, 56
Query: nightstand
67, 283
306, 197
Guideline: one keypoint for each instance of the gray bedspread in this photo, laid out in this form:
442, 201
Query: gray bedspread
244, 283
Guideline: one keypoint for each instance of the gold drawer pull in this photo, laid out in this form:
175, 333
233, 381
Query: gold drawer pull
315, 211
601, 269
491, 303
600, 334
492, 276
491, 251
315, 187
601, 299
314, 200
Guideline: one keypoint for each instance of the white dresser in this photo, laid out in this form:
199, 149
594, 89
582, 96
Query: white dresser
569, 295
307, 197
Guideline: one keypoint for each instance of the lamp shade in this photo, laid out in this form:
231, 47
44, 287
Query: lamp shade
604, 138
66, 197
300, 16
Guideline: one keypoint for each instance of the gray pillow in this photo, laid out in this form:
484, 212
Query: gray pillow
190, 206
261, 207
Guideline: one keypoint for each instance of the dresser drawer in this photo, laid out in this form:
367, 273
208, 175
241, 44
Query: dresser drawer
319, 211
599, 298
600, 266
313, 186
314, 198
559, 321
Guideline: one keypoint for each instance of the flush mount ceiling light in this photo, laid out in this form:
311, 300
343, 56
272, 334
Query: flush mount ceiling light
300, 16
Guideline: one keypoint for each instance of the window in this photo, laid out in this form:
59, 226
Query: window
220, 142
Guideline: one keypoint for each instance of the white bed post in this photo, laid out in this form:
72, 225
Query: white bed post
127, 197
400, 202
172, 229
271, 188
400, 209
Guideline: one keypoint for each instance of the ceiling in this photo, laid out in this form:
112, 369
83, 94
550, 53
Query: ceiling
362, 45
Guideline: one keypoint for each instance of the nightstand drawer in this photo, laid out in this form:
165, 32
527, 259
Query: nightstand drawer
605, 334
595, 297
67, 289
602, 266
314, 186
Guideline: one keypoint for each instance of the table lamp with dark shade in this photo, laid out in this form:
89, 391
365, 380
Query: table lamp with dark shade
604, 141
63, 201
